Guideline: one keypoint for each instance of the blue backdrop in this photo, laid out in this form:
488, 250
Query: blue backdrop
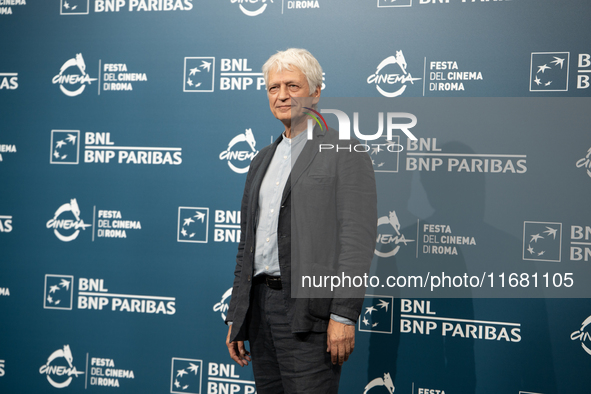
124, 143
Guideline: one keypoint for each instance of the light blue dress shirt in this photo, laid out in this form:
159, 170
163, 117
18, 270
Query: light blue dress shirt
266, 258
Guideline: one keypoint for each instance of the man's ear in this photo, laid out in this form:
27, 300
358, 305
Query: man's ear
316, 96
317, 92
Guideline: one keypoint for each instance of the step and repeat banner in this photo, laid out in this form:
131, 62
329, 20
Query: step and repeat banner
127, 128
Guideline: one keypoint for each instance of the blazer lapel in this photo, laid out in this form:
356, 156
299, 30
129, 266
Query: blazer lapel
304, 159
258, 178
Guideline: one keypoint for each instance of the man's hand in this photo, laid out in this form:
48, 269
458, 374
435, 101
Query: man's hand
237, 350
340, 340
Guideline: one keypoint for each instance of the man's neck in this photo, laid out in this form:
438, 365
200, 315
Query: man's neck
292, 132
287, 132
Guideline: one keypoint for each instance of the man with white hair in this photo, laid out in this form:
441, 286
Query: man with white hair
303, 211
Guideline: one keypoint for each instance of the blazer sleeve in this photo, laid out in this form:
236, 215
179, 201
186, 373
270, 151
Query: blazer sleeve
244, 207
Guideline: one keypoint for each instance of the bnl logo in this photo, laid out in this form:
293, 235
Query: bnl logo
542, 241
199, 74
186, 375
65, 147
550, 71
59, 292
377, 314
580, 243
227, 226
193, 225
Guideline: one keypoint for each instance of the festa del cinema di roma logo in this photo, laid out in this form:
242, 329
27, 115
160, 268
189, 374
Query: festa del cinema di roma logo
59, 223
56, 368
232, 154
390, 74
385, 237
72, 74
583, 335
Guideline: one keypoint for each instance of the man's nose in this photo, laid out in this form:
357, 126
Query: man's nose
283, 92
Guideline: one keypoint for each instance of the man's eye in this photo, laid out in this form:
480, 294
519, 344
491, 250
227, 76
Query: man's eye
273, 89
293, 87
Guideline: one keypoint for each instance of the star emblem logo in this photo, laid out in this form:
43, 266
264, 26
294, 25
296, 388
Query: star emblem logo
186, 376
377, 314
549, 72
58, 292
193, 224
199, 74
542, 241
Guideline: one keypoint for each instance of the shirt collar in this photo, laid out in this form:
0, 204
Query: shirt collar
295, 140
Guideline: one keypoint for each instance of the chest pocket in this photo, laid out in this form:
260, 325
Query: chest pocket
320, 179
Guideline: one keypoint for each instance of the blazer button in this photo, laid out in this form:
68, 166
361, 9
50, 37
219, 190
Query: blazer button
249, 278
251, 249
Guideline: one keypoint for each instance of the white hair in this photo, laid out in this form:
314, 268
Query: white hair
295, 57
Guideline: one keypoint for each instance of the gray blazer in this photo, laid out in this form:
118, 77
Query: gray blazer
327, 226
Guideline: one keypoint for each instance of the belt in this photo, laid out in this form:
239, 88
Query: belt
273, 282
